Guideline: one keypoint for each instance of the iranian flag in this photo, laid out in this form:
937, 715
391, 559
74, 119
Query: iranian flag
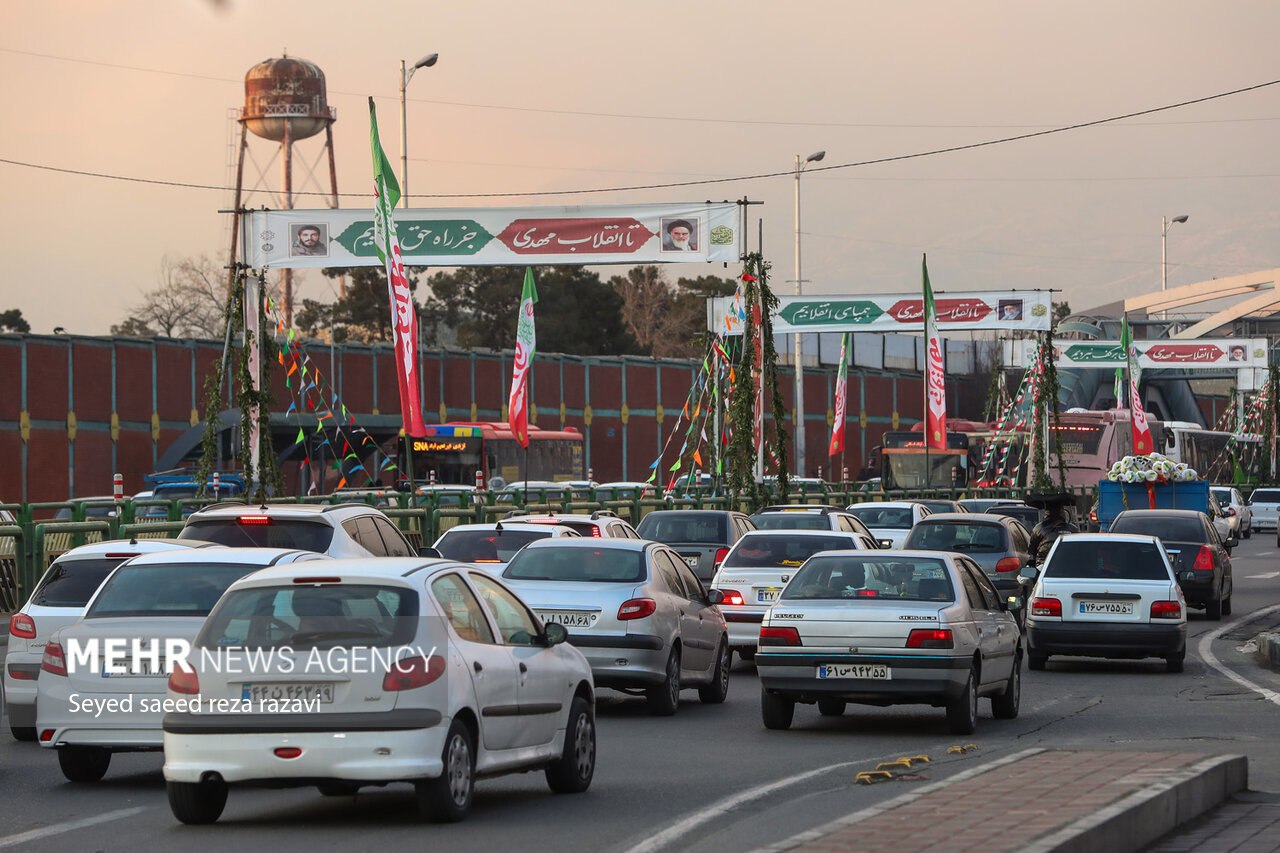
842, 391
1142, 443
404, 319
518, 404
935, 386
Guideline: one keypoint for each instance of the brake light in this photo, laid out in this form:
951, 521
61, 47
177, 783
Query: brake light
1008, 564
54, 661
119, 556
595, 532
409, 673
930, 638
1229, 512
1093, 515
318, 580
22, 674
733, 597
287, 751
46, 735
254, 519
637, 608
785, 636
22, 625
721, 553
1046, 607
867, 593
184, 680
1166, 610
1204, 560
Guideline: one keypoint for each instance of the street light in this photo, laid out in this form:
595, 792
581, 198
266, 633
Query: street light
1164, 267
799, 425
406, 74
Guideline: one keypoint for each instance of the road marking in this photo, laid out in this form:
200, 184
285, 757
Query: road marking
1264, 575
1263, 554
1207, 655
70, 826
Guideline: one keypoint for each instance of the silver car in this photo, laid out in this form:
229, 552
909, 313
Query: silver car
635, 609
1237, 511
889, 628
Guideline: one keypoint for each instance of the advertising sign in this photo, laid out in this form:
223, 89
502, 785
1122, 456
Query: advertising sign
1198, 354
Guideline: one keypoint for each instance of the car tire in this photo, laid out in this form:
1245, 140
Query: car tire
1248, 531
338, 789
776, 711
447, 798
832, 707
27, 733
83, 763
663, 699
962, 711
572, 772
1213, 609
1005, 706
197, 802
718, 689
1174, 663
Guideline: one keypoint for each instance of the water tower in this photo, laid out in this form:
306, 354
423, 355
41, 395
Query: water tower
285, 102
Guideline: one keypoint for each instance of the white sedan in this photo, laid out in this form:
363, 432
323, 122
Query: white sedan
890, 521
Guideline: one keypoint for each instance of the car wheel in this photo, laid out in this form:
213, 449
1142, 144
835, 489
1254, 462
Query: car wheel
447, 798
573, 771
1248, 531
338, 789
776, 710
1005, 706
83, 763
23, 732
664, 698
1213, 609
831, 707
1226, 605
962, 711
1174, 663
715, 692
197, 802
1037, 662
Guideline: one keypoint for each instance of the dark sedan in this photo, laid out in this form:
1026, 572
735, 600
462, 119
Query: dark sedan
997, 543
702, 537
1200, 561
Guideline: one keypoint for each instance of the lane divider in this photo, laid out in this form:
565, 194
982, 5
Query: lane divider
69, 826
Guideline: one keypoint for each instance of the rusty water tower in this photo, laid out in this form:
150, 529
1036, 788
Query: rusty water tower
285, 102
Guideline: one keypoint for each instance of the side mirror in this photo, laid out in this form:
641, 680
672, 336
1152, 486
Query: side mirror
1028, 575
1012, 605
715, 597
554, 634
429, 552
1231, 543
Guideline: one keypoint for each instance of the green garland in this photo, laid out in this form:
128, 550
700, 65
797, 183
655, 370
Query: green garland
1045, 406
1268, 417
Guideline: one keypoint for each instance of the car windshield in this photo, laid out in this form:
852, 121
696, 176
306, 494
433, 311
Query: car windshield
791, 521
325, 616
606, 565
1223, 496
257, 531
486, 546
683, 527
1266, 496
1103, 560
883, 517
175, 589
966, 536
1168, 528
71, 583
872, 579
755, 551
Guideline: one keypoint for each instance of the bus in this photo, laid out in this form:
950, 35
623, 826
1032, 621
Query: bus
905, 462
452, 453
1091, 441
1219, 457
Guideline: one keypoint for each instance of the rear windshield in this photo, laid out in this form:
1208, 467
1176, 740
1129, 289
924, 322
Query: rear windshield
486, 546
683, 528
313, 617
1223, 495
276, 533
71, 583
1269, 496
754, 551
964, 536
185, 589
607, 565
872, 579
791, 521
1028, 515
877, 518
1103, 560
1168, 528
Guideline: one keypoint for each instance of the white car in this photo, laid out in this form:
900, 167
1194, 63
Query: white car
756, 569
602, 524
890, 521
1264, 504
58, 600
376, 671
490, 546
1110, 595
89, 707
1237, 511
335, 530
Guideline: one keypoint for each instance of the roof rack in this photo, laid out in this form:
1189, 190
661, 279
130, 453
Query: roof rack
603, 513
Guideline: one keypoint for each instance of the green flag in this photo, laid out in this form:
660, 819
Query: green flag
1124, 344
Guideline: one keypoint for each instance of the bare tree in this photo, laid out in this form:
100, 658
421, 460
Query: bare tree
646, 306
189, 302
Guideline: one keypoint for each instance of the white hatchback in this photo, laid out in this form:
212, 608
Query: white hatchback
890, 521
1265, 507
367, 672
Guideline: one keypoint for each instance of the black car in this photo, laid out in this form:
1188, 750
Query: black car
702, 537
998, 544
1201, 562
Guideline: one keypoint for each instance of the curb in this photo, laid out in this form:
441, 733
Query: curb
1268, 653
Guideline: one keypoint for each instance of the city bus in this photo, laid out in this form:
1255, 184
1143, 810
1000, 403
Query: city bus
1091, 441
907, 464
1219, 457
452, 453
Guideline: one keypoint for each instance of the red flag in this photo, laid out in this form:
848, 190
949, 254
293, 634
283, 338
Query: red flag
526, 345
842, 391
935, 434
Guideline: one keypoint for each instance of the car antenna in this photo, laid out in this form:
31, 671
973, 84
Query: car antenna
498, 526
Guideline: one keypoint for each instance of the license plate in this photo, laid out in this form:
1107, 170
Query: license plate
768, 594
854, 670
1123, 608
569, 620
287, 692
692, 561
140, 668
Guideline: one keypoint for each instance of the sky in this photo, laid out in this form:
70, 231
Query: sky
571, 96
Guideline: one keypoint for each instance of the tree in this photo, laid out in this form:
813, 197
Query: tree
362, 314
189, 302
667, 322
13, 321
133, 328
1061, 311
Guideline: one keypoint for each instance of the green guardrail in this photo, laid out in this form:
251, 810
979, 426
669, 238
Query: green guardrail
51, 539
15, 582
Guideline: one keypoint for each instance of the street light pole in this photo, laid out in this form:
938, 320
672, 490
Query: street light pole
1164, 266
406, 74
799, 420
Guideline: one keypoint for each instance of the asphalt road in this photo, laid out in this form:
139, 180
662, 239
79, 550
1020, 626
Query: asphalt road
710, 778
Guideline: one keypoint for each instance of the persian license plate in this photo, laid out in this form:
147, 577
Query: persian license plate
307, 692
692, 561
768, 594
854, 670
1122, 608
569, 620
140, 668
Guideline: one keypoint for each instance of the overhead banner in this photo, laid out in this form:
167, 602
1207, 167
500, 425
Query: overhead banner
1199, 354
498, 236
1012, 310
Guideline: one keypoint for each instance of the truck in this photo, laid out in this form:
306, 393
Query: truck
1114, 498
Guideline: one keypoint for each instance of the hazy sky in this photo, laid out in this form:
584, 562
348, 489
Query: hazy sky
582, 95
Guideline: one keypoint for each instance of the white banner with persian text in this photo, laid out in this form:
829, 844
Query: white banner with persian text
1198, 354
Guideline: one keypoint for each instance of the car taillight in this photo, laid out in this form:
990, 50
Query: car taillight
1093, 515
317, 580
54, 661
637, 608
287, 751
733, 597
1229, 512
254, 519
1008, 564
22, 625
786, 636
1204, 560
184, 680
1046, 607
595, 532
930, 638
721, 553
1166, 610
46, 735
409, 673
